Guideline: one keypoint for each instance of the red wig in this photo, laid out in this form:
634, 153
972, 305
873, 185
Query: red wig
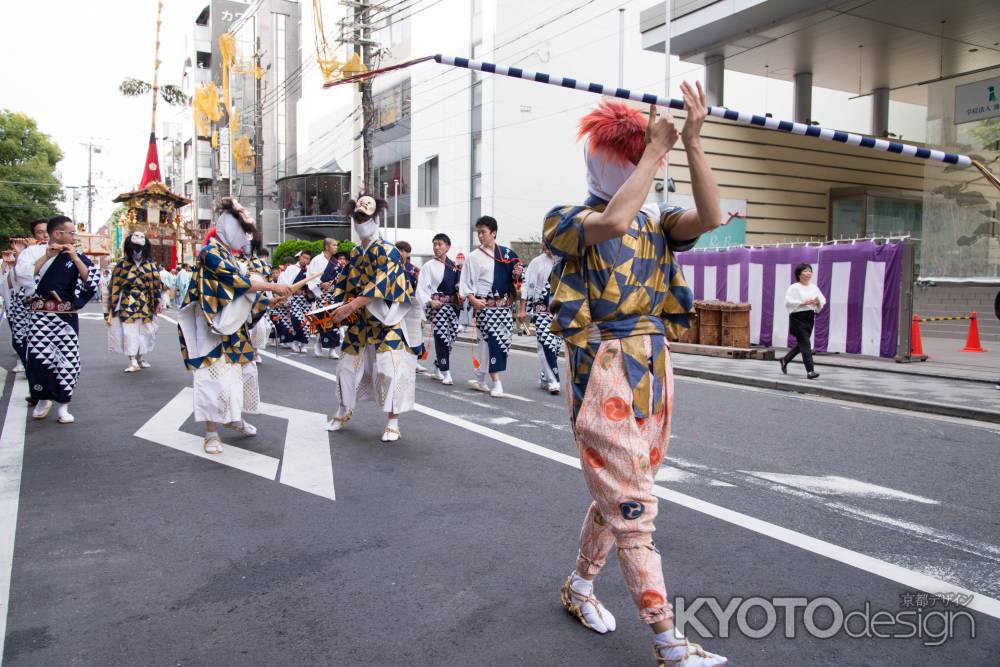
212, 233
615, 131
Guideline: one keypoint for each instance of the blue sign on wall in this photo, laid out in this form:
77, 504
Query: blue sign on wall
733, 234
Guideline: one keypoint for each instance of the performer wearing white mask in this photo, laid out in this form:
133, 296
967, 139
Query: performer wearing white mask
378, 359
619, 292
133, 303
225, 299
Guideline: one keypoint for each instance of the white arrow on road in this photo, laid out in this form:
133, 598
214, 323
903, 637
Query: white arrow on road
305, 463
831, 485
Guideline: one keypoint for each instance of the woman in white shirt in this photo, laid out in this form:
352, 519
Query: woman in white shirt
803, 300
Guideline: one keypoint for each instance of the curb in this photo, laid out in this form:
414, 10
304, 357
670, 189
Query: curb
944, 409
911, 405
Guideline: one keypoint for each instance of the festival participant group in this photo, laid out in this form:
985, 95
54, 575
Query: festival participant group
606, 288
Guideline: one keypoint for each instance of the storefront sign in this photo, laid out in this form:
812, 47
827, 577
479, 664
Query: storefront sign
977, 101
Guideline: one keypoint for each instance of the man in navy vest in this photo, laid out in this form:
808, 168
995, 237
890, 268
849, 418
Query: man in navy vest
489, 282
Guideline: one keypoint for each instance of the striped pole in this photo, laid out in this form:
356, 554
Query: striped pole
848, 138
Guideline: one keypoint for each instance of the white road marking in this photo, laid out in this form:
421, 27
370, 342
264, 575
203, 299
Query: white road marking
164, 429
831, 485
305, 464
907, 528
11, 462
901, 575
671, 474
501, 421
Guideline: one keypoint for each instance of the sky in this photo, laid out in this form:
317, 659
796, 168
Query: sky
64, 59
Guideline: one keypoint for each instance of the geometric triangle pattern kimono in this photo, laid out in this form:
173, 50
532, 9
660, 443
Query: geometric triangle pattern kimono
329, 339
133, 297
53, 344
379, 360
495, 324
614, 303
214, 330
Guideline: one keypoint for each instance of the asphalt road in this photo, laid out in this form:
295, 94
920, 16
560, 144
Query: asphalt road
449, 547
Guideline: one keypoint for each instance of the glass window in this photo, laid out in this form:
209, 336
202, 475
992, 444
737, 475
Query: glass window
477, 155
847, 217
427, 182
894, 217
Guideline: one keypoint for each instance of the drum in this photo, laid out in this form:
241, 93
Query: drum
321, 320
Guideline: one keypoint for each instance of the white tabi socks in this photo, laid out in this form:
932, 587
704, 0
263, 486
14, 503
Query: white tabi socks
675, 650
595, 613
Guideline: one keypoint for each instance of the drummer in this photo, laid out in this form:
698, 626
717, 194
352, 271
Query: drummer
327, 341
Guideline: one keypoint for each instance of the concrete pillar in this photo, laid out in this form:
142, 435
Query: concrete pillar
802, 106
880, 112
715, 80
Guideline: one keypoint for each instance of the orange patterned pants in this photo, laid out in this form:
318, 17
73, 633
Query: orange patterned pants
619, 455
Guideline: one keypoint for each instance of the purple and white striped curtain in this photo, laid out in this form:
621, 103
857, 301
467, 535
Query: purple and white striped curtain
860, 282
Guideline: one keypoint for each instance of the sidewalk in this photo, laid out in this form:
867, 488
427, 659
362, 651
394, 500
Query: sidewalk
952, 383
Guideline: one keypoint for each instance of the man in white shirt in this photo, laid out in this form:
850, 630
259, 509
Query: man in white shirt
292, 329
437, 296
22, 285
488, 280
534, 298
327, 343
167, 280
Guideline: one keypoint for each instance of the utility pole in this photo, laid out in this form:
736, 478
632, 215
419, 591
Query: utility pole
91, 149
367, 102
363, 43
259, 134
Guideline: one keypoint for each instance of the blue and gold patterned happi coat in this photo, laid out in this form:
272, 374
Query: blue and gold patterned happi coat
220, 278
376, 272
134, 292
622, 289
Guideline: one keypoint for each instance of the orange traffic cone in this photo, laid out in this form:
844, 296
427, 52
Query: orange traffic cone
972, 343
916, 345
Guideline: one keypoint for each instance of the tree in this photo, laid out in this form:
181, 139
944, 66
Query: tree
28, 187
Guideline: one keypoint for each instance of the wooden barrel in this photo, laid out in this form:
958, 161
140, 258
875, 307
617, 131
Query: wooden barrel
736, 325
709, 322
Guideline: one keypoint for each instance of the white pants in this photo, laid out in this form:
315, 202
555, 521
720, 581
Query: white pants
224, 392
388, 378
132, 338
545, 372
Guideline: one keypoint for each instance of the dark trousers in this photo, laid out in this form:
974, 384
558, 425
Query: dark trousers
800, 325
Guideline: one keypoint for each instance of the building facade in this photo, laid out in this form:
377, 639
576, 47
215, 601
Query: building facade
264, 90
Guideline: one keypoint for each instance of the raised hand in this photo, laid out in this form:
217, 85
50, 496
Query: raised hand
661, 133
697, 110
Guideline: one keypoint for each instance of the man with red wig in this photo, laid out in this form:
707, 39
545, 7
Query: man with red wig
617, 295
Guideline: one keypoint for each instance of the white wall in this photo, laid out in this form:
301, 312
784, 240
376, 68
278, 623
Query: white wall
440, 123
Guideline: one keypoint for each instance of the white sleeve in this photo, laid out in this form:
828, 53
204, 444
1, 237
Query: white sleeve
24, 268
314, 267
467, 281
822, 299
792, 297
424, 289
